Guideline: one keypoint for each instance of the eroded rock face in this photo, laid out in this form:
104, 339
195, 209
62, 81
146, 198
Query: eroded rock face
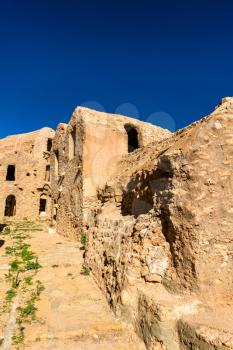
164, 226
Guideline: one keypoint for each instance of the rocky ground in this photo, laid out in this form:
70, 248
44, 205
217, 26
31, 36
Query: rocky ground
71, 312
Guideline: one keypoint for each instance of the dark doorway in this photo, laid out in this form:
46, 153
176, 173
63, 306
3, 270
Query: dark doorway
132, 138
10, 176
42, 205
49, 145
10, 208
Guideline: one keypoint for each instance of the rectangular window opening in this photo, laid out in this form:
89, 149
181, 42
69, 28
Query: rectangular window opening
49, 145
10, 176
42, 205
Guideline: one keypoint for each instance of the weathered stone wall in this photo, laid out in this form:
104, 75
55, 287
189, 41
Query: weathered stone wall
100, 143
67, 179
29, 154
106, 142
160, 238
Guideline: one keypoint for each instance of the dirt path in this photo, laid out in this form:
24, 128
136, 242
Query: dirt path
73, 310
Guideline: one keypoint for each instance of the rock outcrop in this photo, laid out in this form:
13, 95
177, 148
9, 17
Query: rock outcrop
160, 242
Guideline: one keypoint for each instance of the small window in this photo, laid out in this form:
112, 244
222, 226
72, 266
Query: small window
10, 207
132, 138
43, 203
47, 173
49, 145
10, 176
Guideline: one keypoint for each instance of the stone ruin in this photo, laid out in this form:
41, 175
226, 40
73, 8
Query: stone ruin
157, 210
25, 175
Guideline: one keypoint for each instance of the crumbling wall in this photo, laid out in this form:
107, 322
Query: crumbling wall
105, 143
29, 154
161, 232
101, 141
67, 179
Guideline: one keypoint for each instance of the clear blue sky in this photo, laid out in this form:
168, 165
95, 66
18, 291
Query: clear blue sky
171, 57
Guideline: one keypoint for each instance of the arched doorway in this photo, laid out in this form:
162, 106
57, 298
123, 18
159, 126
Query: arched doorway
132, 138
10, 207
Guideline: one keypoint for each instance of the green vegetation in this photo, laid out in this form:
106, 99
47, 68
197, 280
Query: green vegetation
84, 240
23, 267
85, 270
28, 280
32, 265
10, 294
18, 339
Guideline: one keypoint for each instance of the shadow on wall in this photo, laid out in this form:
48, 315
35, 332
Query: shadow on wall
144, 189
153, 191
